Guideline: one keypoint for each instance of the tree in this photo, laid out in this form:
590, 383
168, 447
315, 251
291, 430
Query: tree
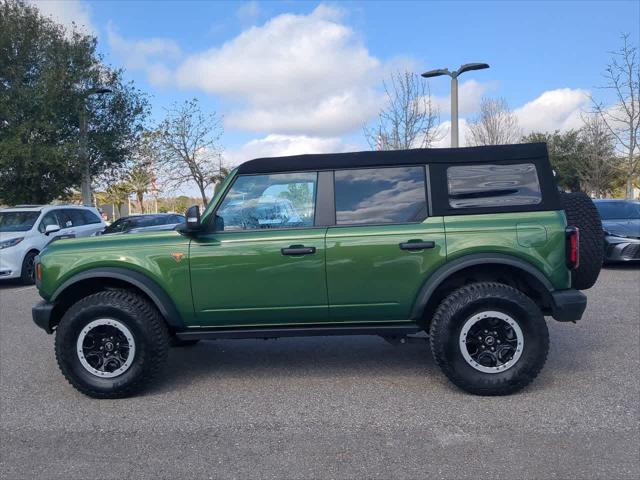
44, 70
622, 76
116, 195
409, 119
140, 180
190, 149
598, 168
496, 124
565, 155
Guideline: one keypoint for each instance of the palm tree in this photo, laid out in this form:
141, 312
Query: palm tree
140, 180
117, 194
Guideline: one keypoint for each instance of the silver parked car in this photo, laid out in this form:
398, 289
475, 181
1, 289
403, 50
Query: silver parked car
621, 224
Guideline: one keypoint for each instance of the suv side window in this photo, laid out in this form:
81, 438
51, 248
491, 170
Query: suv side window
283, 200
76, 216
48, 219
89, 217
64, 220
380, 196
480, 186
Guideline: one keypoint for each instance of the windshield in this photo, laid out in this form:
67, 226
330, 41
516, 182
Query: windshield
17, 221
618, 210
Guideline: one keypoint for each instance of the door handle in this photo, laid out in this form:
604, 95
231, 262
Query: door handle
298, 250
417, 245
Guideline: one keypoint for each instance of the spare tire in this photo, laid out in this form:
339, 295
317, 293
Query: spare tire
582, 213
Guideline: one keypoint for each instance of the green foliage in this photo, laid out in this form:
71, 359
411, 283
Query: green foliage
565, 153
45, 71
140, 180
182, 203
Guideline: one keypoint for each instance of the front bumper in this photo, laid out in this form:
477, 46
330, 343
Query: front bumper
621, 249
568, 305
41, 313
10, 262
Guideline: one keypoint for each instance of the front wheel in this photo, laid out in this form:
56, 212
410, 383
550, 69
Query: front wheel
28, 271
489, 339
111, 344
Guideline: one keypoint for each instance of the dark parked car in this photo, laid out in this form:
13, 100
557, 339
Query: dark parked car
145, 223
621, 223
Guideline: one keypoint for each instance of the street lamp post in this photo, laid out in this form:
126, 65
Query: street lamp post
454, 91
84, 153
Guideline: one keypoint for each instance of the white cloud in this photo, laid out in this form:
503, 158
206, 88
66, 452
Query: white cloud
291, 59
331, 115
284, 145
67, 12
554, 110
295, 74
149, 55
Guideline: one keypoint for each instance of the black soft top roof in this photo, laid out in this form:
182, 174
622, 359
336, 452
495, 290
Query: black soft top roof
419, 156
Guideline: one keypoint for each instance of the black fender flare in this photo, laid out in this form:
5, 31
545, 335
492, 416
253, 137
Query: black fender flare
449, 268
155, 292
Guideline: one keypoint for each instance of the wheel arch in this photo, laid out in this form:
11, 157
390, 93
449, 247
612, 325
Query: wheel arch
481, 267
99, 279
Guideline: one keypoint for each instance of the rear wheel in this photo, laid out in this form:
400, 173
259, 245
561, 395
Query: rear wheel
489, 339
28, 270
111, 344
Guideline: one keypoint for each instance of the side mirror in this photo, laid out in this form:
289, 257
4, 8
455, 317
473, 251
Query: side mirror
51, 229
193, 219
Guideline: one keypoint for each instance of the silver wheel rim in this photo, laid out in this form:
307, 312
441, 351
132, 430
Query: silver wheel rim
118, 350
468, 330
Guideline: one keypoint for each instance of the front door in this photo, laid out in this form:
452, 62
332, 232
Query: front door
265, 262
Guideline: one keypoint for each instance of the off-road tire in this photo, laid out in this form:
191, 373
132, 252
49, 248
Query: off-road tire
466, 302
139, 316
582, 213
27, 272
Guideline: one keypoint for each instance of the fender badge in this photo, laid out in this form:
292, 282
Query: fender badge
177, 256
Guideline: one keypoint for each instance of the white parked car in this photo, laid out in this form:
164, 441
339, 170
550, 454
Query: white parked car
26, 230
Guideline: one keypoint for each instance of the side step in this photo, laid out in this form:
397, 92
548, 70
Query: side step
237, 333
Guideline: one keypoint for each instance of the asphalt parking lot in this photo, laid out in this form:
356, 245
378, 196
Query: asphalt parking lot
353, 407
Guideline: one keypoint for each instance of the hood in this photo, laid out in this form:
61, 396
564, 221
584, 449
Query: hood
622, 228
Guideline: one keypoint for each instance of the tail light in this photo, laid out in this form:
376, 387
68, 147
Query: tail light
573, 247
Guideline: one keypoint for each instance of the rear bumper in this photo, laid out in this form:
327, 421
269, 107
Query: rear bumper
568, 305
41, 314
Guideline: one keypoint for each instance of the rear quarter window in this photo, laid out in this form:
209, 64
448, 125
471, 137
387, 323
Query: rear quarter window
90, 217
482, 186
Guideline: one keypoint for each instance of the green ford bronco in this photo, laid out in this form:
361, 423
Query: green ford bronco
473, 246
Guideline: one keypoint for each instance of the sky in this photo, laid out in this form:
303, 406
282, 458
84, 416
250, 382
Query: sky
292, 77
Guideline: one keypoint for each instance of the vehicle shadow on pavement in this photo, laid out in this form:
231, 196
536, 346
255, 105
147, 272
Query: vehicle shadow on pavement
622, 266
13, 284
319, 357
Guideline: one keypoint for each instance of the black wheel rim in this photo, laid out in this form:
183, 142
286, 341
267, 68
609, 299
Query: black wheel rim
491, 341
105, 348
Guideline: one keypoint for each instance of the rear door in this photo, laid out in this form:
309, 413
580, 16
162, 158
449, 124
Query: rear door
262, 264
384, 244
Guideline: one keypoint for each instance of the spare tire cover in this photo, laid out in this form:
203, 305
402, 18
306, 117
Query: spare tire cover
582, 213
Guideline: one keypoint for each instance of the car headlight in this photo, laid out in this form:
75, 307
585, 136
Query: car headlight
11, 242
